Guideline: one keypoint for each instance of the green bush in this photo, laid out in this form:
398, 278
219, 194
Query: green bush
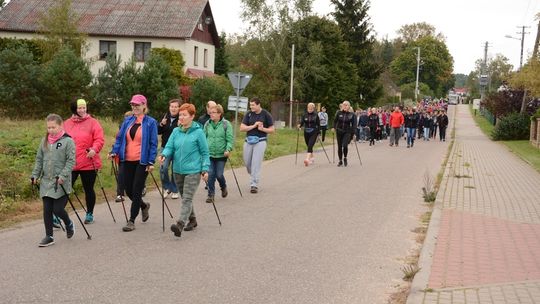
513, 126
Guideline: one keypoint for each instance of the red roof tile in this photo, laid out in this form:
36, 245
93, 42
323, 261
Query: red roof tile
140, 18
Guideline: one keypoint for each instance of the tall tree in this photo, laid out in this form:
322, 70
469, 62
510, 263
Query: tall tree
412, 32
353, 19
323, 72
158, 84
461, 80
221, 66
60, 28
436, 65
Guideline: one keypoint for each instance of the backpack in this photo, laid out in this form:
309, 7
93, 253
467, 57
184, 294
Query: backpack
224, 124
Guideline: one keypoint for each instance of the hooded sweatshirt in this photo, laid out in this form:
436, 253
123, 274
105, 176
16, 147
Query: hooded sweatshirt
87, 133
189, 150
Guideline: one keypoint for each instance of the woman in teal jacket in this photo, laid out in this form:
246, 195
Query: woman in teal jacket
219, 135
187, 145
54, 161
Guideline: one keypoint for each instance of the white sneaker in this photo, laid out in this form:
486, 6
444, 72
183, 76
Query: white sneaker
167, 193
175, 195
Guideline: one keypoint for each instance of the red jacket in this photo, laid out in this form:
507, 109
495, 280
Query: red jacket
87, 133
396, 119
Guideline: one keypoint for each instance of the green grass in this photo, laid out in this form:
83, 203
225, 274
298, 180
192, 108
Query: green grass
521, 148
482, 122
18, 145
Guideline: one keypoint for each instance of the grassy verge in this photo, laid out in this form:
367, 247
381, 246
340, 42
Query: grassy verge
18, 144
521, 148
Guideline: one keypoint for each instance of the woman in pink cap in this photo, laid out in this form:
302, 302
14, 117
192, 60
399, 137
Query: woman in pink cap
136, 145
87, 134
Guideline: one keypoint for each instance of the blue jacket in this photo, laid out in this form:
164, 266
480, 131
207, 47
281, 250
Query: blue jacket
189, 150
149, 140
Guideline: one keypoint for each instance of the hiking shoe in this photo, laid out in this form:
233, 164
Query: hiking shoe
191, 224
175, 195
70, 229
177, 228
145, 214
89, 218
143, 191
210, 199
345, 162
119, 199
254, 189
46, 242
224, 192
56, 222
340, 163
130, 226
168, 193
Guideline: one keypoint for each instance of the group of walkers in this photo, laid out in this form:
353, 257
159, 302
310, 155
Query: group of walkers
194, 149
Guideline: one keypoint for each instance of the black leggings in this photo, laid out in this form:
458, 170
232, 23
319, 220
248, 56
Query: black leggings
442, 133
343, 139
323, 132
57, 207
88, 179
134, 178
310, 139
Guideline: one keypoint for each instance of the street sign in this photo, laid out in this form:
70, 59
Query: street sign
239, 81
476, 104
242, 105
483, 80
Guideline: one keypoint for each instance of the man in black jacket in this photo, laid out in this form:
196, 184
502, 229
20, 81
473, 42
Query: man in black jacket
442, 121
411, 123
165, 128
206, 116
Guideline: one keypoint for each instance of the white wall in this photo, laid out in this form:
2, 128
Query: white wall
125, 48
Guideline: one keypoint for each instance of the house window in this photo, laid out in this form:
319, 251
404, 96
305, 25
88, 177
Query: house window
205, 58
196, 56
142, 50
106, 48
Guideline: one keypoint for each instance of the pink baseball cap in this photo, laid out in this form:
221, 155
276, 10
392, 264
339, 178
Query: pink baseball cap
138, 100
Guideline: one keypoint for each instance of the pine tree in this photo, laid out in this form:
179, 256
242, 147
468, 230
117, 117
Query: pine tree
352, 17
222, 61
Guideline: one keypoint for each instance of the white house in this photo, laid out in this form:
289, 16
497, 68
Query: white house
128, 28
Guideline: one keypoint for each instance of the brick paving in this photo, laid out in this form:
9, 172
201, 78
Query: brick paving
484, 240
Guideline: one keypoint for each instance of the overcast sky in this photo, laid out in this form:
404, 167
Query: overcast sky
467, 24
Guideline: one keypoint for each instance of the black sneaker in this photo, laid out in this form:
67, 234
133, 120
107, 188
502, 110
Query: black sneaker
56, 222
46, 242
70, 230
145, 214
191, 224
119, 199
254, 189
177, 228
340, 163
345, 162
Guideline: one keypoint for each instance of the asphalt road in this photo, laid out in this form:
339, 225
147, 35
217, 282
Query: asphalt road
320, 234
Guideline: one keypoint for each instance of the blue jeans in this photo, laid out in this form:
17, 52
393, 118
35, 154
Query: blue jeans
411, 133
167, 182
217, 166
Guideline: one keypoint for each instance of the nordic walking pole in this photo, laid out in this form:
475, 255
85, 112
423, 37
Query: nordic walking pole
297, 139
334, 147
357, 152
161, 193
320, 141
235, 179
78, 199
115, 171
101, 185
54, 215
88, 236
162, 204
219, 221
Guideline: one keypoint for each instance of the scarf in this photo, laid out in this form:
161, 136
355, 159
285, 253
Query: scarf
53, 138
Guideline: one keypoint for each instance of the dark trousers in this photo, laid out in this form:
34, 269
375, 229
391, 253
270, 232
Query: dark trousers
343, 139
88, 179
310, 139
134, 177
57, 207
373, 134
323, 132
442, 132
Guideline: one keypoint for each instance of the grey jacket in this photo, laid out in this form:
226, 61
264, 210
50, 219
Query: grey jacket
57, 159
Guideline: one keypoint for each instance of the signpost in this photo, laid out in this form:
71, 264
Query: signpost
239, 82
242, 106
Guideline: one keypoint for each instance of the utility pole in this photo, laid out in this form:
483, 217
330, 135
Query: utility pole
292, 82
483, 76
537, 41
417, 73
522, 42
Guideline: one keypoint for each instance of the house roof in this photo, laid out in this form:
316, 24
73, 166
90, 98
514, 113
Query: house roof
132, 18
196, 73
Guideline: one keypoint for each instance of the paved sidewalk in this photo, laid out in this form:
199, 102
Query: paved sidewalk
483, 242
